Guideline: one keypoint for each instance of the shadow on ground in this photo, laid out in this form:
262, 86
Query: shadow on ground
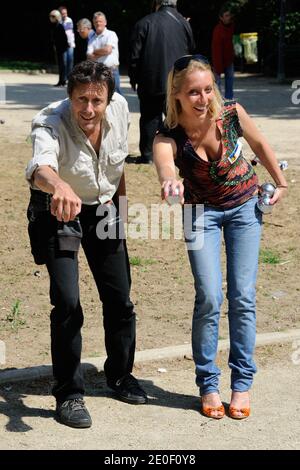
13, 395
38, 95
261, 96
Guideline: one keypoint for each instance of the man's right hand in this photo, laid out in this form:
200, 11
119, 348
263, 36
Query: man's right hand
65, 204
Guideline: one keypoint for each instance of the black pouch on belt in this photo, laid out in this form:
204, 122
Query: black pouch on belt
42, 225
69, 235
39, 224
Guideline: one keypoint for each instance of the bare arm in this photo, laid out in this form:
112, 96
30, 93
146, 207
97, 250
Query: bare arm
164, 150
262, 149
106, 50
65, 204
103, 51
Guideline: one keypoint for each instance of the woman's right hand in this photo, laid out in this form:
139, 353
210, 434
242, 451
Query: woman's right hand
172, 187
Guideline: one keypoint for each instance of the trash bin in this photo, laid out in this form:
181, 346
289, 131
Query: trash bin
249, 41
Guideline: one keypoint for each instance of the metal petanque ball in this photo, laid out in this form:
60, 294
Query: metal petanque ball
263, 203
268, 188
173, 197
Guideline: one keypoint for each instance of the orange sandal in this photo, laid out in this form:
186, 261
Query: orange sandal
208, 410
245, 412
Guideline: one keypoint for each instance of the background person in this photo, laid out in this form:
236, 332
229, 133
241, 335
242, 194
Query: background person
60, 43
201, 137
104, 47
223, 51
69, 54
79, 149
86, 34
157, 41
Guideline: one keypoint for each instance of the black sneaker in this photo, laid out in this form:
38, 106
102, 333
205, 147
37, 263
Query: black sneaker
129, 390
143, 161
73, 413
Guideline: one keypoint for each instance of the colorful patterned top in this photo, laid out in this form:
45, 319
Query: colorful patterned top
225, 183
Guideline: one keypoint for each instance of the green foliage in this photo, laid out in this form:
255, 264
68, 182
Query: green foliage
292, 29
269, 21
269, 257
137, 261
20, 65
235, 6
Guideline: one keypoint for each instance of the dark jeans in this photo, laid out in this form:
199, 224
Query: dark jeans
151, 109
61, 68
108, 261
229, 79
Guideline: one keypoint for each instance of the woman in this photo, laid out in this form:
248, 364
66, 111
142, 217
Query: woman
201, 137
60, 43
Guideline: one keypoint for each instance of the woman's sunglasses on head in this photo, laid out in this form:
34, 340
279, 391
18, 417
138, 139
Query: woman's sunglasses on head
184, 61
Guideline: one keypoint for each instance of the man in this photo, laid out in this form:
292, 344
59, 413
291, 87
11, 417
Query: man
86, 34
223, 51
79, 148
157, 41
69, 54
104, 47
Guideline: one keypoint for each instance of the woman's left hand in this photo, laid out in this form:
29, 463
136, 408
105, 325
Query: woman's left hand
278, 195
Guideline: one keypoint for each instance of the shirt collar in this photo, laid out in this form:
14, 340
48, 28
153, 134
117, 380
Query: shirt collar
104, 31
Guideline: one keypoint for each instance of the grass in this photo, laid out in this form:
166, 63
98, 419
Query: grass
14, 317
137, 261
269, 257
20, 65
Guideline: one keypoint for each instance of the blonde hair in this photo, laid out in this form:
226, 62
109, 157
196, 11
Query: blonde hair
56, 14
175, 82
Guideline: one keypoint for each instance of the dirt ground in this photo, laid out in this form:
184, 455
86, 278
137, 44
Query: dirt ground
172, 418
162, 285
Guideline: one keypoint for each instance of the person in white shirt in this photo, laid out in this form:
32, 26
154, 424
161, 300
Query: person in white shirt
104, 47
76, 176
69, 54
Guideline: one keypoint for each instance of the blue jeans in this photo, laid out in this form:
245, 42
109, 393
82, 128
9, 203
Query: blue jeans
242, 229
116, 75
229, 76
68, 61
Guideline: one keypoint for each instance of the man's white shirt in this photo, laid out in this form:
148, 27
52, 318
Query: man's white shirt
106, 38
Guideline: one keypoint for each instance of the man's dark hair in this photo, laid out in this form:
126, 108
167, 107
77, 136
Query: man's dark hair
224, 8
91, 72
